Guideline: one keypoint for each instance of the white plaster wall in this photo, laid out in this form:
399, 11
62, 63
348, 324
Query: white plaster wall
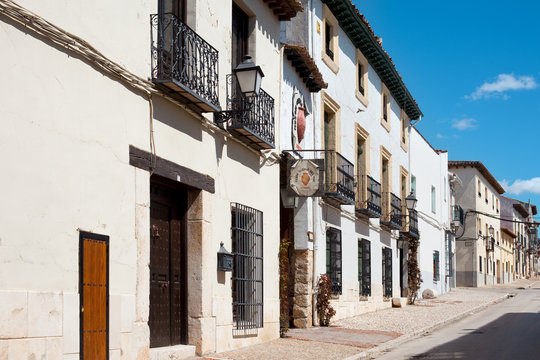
341, 88
430, 169
67, 130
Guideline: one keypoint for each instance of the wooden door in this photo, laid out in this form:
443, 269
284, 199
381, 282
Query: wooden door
168, 292
94, 296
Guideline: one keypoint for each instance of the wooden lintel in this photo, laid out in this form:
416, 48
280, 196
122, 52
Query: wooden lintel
170, 170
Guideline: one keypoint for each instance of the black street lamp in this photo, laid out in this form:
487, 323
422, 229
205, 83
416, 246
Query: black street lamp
249, 77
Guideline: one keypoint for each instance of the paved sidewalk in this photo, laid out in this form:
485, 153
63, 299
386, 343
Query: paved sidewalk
368, 334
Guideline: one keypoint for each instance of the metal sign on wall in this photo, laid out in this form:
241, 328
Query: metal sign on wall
304, 177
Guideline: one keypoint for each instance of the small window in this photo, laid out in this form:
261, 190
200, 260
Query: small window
486, 194
330, 40
333, 258
433, 199
480, 263
362, 80
436, 274
413, 184
404, 138
385, 107
479, 189
497, 205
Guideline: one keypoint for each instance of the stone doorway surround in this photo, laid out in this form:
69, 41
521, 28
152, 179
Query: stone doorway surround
200, 275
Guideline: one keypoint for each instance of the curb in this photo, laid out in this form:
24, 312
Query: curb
405, 337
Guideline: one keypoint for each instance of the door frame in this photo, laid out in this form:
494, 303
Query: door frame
160, 181
98, 237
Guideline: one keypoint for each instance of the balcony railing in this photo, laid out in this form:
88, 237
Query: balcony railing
184, 63
411, 225
391, 211
368, 197
338, 178
251, 120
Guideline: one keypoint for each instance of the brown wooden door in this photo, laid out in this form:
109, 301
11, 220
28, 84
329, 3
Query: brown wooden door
168, 294
94, 296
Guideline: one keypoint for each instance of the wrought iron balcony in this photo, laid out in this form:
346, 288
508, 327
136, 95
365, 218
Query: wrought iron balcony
185, 64
391, 211
338, 179
411, 225
368, 197
250, 120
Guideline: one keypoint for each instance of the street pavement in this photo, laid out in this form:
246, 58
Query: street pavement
509, 330
412, 331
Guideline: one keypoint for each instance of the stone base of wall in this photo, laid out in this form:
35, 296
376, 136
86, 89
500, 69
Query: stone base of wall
45, 325
303, 288
350, 303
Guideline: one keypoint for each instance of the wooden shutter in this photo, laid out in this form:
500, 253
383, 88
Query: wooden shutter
94, 296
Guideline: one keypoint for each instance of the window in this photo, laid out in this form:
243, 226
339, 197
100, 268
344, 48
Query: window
333, 258
479, 226
240, 34
497, 205
362, 164
364, 267
492, 202
386, 189
448, 253
433, 199
330, 40
247, 274
486, 194
387, 272
480, 263
404, 138
403, 189
479, 189
413, 184
362, 79
385, 107
436, 274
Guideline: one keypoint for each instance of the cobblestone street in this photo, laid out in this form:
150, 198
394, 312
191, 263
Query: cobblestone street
370, 333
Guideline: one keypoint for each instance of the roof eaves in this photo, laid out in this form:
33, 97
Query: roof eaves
350, 21
482, 169
285, 10
305, 66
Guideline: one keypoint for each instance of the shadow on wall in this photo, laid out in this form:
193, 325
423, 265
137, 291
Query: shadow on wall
176, 118
386, 239
331, 215
519, 330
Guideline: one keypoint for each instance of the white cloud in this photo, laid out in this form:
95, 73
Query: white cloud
503, 83
441, 136
465, 124
522, 186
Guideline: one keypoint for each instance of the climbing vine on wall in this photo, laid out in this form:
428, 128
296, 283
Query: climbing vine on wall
284, 280
415, 278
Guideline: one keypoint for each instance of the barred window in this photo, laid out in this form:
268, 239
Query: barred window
387, 272
247, 275
436, 273
364, 267
333, 258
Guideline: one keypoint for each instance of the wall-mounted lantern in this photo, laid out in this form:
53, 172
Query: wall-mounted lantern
249, 77
224, 259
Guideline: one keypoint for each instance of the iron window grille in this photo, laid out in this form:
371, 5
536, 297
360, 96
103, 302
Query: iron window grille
333, 258
391, 211
387, 272
184, 62
364, 267
247, 275
436, 273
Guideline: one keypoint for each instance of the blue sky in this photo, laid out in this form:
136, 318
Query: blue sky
474, 69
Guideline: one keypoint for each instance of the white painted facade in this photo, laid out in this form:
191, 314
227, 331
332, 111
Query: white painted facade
67, 129
354, 114
430, 169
